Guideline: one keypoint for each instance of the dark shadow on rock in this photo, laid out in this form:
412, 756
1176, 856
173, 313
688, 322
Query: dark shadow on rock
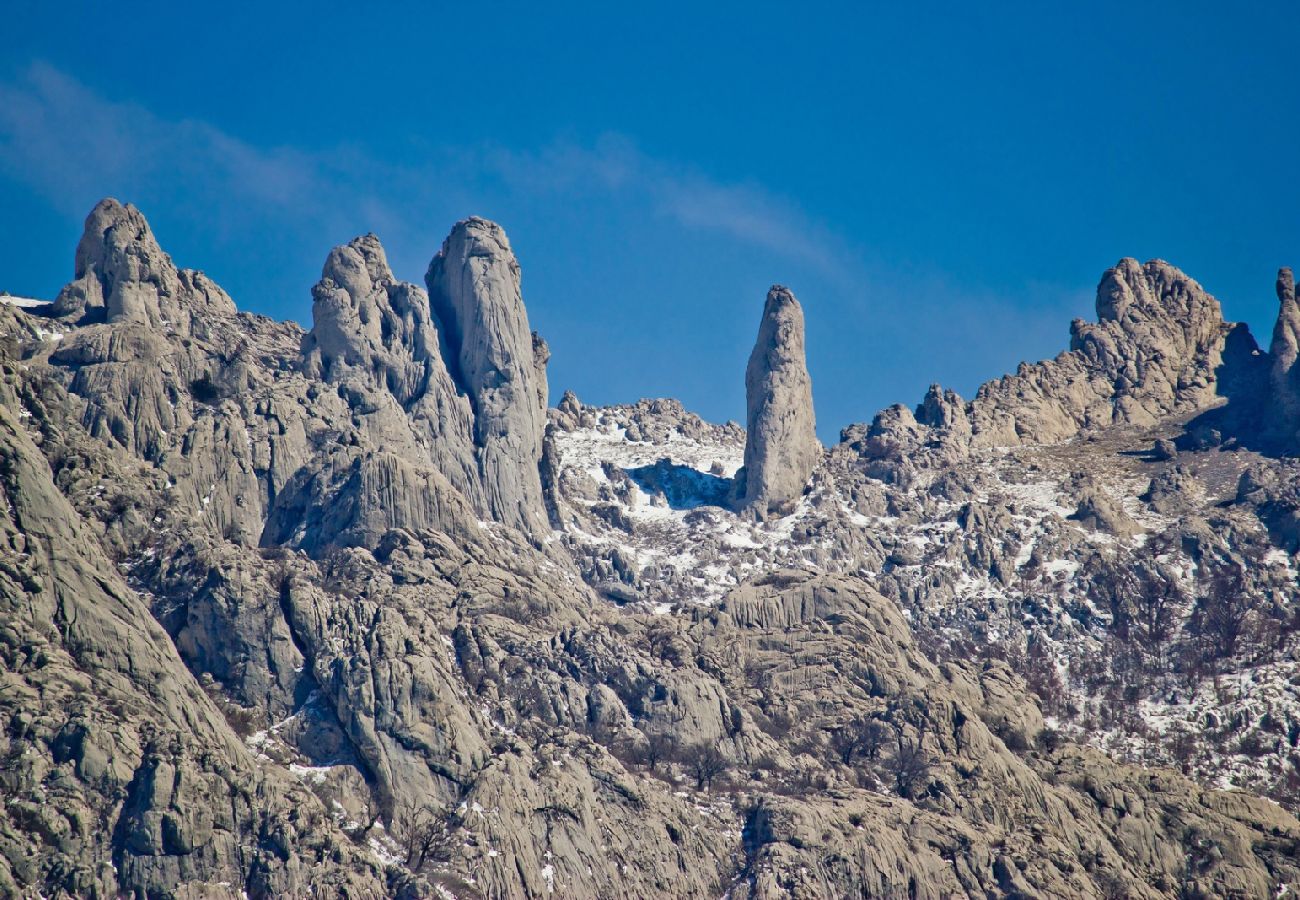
1243, 420
682, 486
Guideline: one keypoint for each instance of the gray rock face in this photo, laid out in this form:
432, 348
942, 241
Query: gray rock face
1285, 348
253, 639
1099, 512
115, 756
474, 287
1156, 350
376, 338
121, 271
364, 319
781, 446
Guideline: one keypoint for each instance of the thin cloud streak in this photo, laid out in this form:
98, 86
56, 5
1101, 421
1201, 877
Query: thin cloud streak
745, 213
69, 143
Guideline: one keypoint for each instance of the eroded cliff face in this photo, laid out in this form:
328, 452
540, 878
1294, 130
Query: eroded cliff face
277, 621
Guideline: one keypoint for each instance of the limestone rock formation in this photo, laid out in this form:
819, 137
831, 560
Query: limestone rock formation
474, 287
781, 446
376, 338
122, 274
1159, 348
270, 623
1283, 351
120, 774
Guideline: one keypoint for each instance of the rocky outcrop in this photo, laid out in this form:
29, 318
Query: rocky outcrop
254, 638
1099, 512
120, 775
133, 364
1283, 352
781, 446
376, 338
1153, 351
123, 275
1159, 348
500, 363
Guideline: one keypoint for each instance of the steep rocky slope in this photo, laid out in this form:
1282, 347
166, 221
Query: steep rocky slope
349, 611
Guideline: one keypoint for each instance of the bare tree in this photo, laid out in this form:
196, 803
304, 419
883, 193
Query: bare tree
705, 763
423, 833
371, 812
1155, 613
659, 747
910, 765
1222, 613
862, 737
846, 740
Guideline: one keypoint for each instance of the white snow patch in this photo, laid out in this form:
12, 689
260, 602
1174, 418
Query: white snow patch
24, 302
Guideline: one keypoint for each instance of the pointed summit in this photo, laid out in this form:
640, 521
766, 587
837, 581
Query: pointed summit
364, 319
781, 447
499, 362
376, 338
123, 275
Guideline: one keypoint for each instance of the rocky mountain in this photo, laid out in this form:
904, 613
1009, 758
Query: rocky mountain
349, 612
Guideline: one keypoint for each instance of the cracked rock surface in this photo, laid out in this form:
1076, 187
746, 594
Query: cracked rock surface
349, 612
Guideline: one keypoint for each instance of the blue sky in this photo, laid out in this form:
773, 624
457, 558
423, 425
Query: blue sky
941, 185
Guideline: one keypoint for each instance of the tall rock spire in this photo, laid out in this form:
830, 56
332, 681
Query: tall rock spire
499, 363
1286, 342
781, 447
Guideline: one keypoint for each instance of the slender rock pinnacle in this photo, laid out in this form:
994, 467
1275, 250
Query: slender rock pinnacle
1286, 341
781, 447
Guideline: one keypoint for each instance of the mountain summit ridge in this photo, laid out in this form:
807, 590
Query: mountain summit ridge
349, 610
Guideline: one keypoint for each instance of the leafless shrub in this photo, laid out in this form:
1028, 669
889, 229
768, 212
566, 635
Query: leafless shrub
910, 765
705, 763
660, 747
863, 737
423, 833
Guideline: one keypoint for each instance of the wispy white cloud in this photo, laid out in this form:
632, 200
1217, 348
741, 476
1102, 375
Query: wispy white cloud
747, 213
72, 145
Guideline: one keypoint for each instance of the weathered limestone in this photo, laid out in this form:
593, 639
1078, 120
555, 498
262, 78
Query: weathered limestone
500, 364
376, 338
1283, 352
781, 446
1159, 347
121, 271
246, 615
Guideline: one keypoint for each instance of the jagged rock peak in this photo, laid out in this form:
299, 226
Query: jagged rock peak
781, 447
1132, 291
121, 273
366, 321
1159, 347
376, 338
474, 287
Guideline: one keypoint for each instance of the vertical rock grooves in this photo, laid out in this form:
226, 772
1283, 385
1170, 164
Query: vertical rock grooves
255, 636
500, 364
1284, 350
781, 447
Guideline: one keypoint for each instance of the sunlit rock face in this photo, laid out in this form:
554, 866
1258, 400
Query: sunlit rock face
349, 612
498, 361
781, 446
